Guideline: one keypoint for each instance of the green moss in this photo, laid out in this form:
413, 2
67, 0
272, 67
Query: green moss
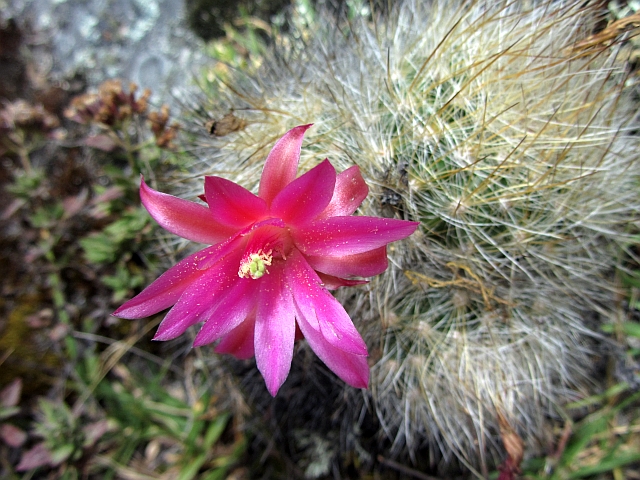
27, 351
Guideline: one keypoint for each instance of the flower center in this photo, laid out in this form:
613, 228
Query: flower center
255, 264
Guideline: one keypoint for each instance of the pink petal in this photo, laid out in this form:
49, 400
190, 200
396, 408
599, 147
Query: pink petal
231, 204
319, 307
275, 328
239, 342
353, 369
331, 283
305, 197
168, 288
366, 264
350, 191
228, 313
337, 236
203, 294
206, 262
184, 218
266, 237
281, 165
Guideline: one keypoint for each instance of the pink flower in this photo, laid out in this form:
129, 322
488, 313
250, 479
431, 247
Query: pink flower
264, 279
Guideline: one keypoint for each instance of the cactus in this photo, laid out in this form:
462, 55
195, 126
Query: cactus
508, 132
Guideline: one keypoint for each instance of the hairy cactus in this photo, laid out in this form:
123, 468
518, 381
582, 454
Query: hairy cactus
507, 130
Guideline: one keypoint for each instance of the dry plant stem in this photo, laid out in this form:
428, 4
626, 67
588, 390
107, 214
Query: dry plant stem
6, 355
404, 469
126, 144
136, 351
110, 357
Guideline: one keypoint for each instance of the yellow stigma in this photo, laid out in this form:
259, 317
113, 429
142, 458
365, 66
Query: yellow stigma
255, 266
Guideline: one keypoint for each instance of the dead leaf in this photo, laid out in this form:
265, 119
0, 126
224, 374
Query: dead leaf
41, 319
36, 457
59, 332
112, 193
95, 431
74, 204
12, 435
226, 125
101, 142
10, 395
514, 446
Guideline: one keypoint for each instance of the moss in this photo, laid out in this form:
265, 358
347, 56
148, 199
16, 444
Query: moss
27, 351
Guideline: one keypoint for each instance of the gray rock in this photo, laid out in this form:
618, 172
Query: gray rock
146, 42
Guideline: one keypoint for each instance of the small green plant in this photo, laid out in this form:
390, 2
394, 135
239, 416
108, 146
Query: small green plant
122, 235
119, 416
119, 117
180, 439
604, 444
93, 245
23, 128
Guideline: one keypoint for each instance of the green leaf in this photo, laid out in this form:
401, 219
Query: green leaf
122, 282
45, 217
60, 454
631, 329
193, 467
128, 226
106, 246
6, 412
239, 448
26, 184
215, 430
582, 436
606, 465
194, 434
632, 280
98, 248
599, 398
217, 474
